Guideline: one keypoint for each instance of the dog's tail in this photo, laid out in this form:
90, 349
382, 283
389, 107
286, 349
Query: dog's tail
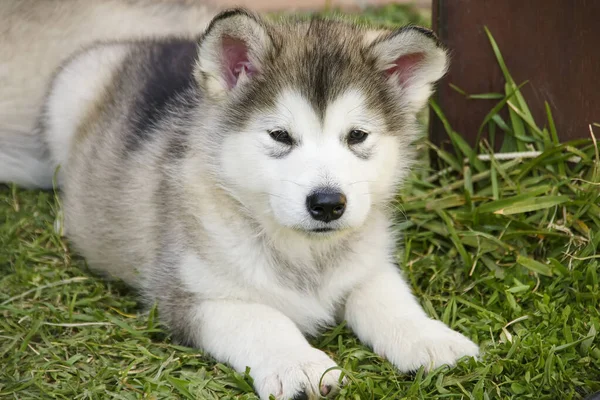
24, 159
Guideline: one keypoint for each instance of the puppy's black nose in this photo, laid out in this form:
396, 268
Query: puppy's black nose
326, 205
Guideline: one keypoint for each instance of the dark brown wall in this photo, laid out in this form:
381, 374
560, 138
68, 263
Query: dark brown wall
555, 44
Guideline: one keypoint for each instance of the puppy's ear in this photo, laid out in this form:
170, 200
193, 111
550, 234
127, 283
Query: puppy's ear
412, 61
231, 51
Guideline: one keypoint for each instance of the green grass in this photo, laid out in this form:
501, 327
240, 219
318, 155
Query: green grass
504, 251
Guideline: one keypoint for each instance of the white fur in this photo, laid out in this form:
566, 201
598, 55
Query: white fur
322, 158
384, 314
79, 87
253, 335
247, 319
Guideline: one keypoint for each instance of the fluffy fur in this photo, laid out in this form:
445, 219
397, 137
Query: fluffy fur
36, 37
173, 180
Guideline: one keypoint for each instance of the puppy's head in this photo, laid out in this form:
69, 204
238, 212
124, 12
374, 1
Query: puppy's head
316, 117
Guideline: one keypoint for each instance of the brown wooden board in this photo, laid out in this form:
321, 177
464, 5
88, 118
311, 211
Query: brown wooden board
554, 44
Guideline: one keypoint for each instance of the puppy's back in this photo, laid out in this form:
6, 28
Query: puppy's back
112, 120
36, 37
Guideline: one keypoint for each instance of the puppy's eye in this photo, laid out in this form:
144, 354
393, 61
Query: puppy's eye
281, 136
357, 136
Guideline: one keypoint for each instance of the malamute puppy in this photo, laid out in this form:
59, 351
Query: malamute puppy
242, 182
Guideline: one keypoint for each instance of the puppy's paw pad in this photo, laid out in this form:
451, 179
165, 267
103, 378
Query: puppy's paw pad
325, 390
298, 377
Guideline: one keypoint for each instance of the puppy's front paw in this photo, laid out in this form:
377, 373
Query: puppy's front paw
429, 343
297, 376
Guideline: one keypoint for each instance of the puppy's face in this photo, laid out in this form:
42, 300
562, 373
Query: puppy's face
318, 116
315, 171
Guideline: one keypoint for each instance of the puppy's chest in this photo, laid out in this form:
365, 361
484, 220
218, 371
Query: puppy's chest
297, 268
307, 287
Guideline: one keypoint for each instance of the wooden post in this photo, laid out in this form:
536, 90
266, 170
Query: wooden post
554, 44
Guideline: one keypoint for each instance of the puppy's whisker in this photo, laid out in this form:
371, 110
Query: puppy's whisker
357, 182
295, 183
277, 195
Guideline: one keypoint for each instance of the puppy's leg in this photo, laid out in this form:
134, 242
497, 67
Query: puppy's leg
385, 315
282, 362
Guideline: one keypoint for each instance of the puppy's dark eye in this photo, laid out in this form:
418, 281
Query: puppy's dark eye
281, 136
357, 136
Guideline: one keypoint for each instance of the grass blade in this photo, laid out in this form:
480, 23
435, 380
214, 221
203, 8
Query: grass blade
534, 265
532, 204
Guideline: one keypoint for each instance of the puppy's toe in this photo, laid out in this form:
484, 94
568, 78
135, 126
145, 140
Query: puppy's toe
299, 377
431, 344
